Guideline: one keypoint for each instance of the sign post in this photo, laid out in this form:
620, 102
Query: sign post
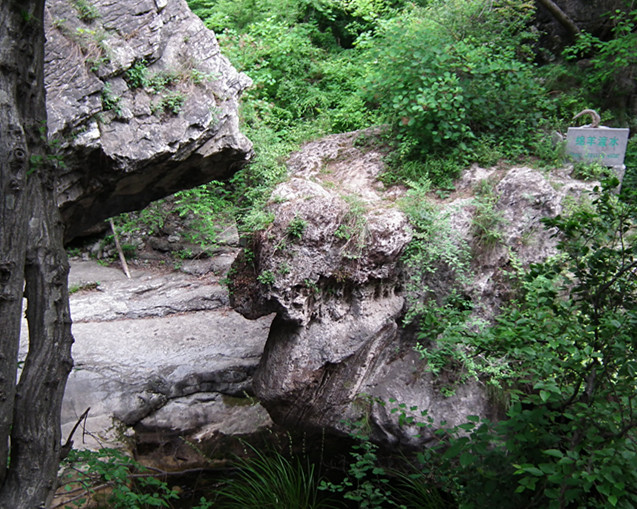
604, 145
598, 144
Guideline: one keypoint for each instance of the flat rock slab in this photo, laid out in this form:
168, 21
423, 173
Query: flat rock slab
152, 348
104, 293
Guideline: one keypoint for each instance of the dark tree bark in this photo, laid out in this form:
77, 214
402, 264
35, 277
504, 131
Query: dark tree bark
32, 263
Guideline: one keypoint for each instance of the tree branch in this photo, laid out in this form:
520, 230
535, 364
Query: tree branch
560, 16
610, 283
66, 448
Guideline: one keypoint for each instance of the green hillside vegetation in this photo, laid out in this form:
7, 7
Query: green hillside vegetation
454, 83
457, 82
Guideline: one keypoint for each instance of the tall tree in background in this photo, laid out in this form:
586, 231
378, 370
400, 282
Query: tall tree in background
33, 264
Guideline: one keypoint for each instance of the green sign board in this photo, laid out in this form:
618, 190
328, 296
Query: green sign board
605, 145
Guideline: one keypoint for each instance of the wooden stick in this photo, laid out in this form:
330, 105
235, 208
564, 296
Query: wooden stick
66, 448
122, 258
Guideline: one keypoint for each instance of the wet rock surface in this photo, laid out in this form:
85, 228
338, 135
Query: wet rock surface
140, 103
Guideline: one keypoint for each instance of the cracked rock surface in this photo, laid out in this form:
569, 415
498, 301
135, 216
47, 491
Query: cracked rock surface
141, 103
331, 266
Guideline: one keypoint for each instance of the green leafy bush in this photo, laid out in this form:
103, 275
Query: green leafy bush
282, 62
291, 50
367, 483
138, 75
148, 221
251, 186
436, 252
208, 211
296, 227
110, 477
568, 345
608, 80
266, 278
446, 74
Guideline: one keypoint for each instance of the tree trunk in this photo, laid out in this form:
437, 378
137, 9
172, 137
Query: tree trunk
15, 67
31, 252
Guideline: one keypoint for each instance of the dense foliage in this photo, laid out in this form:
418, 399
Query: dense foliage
109, 478
445, 75
455, 82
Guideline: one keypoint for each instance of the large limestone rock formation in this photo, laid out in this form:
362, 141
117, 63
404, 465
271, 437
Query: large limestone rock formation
140, 102
331, 267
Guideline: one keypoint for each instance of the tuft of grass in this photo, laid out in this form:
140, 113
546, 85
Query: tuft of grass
487, 223
416, 490
86, 11
274, 481
84, 287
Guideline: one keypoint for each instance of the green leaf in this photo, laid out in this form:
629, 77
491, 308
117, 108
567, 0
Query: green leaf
528, 483
456, 447
467, 459
534, 471
547, 468
553, 452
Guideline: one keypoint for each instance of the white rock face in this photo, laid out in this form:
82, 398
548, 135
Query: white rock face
140, 104
159, 354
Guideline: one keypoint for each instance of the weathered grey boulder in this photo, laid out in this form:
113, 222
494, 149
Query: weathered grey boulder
331, 267
140, 103
520, 198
